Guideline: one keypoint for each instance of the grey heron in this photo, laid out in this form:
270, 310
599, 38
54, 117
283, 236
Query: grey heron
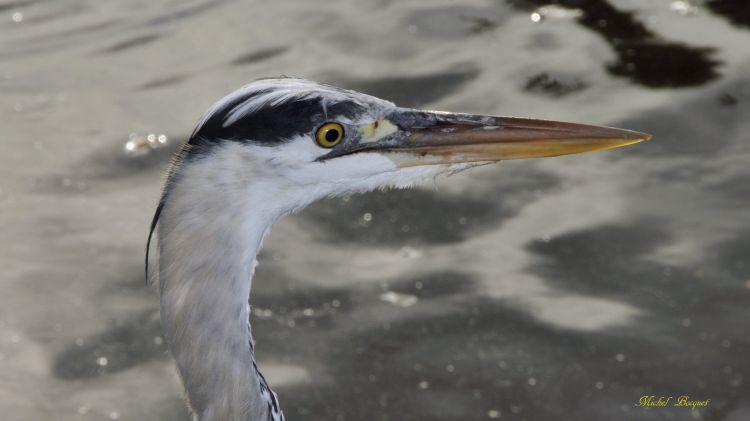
269, 149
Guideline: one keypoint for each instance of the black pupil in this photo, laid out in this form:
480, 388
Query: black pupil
332, 135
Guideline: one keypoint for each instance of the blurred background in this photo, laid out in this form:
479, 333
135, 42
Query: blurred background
562, 288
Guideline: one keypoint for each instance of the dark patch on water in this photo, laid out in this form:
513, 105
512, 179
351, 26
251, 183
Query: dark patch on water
555, 86
257, 56
733, 257
401, 216
421, 216
278, 301
133, 42
614, 261
323, 304
657, 64
123, 346
480, 24
162, 82
728, 100
414, 91
14, 5
642, 56
599, 259
735, 11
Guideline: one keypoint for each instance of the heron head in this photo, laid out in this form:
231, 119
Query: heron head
310, 140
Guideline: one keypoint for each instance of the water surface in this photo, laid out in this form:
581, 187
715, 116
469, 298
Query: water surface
562, 288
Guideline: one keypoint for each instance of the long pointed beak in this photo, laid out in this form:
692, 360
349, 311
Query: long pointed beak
414, 137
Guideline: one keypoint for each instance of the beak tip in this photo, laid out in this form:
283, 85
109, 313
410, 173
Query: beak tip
637, 137
643, 137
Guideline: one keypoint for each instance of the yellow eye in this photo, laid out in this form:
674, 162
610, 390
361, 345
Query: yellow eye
329, 135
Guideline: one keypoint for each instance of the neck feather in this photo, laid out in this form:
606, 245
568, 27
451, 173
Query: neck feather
207, 255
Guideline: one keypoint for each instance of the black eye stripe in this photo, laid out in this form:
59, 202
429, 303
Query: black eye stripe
273, 123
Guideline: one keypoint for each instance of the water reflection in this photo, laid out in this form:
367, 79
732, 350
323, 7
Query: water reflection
470, 302
554, 85
642, 56
702, 127
415, 217
735, 11
162, 82
123, 346
133, 42
398, 217
257, 56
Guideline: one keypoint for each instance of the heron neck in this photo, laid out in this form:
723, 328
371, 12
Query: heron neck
207, 256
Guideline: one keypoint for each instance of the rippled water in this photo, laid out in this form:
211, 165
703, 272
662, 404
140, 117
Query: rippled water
562, 288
